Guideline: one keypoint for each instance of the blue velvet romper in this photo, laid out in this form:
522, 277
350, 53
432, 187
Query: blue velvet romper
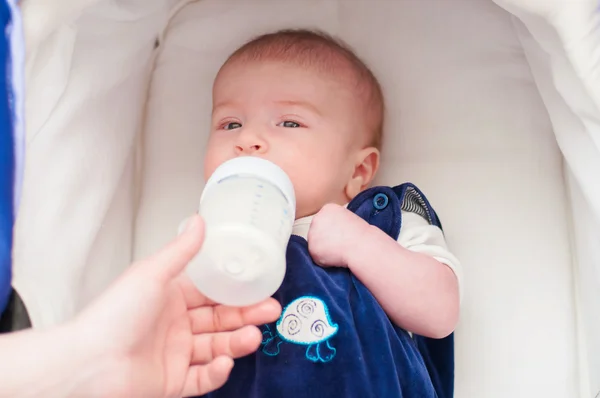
333, 339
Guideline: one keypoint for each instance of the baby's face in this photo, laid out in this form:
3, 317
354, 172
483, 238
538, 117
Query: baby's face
302, 120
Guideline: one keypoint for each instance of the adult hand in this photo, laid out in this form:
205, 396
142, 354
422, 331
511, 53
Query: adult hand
153, 334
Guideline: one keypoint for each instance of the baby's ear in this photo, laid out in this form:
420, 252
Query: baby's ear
365, 168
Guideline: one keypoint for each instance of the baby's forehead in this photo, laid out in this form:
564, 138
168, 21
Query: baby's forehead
317, 75
290, 87
319, 57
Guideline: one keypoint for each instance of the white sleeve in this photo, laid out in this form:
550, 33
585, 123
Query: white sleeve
417, 235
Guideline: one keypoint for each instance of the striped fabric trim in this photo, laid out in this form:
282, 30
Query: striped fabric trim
413, 202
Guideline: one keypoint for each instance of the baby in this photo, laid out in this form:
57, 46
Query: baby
371, 293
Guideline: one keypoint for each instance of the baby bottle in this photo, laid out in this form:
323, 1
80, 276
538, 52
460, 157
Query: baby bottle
249, 207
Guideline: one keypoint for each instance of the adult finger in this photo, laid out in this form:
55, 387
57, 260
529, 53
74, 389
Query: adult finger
202, 379
208, 346
220, 318
193, 297
172, 259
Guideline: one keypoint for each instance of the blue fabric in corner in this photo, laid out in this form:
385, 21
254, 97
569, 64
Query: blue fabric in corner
6, 160
11, 134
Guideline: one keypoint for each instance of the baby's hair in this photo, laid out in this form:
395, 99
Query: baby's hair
316, 49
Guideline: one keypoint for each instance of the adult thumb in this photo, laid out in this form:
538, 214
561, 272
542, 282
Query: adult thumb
170, 261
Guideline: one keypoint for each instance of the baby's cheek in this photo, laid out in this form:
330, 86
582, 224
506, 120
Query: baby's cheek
209, 167
313, 183
212, 159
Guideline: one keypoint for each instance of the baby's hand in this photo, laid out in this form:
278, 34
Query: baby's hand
332, 234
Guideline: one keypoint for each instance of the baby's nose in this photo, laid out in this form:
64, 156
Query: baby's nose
254, 148
250, 143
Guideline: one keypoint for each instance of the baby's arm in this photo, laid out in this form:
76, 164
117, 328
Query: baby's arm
419, 293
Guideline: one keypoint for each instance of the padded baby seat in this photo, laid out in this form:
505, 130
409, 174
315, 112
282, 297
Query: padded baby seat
493, 110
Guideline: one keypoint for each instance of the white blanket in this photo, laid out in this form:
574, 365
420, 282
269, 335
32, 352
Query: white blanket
486, 111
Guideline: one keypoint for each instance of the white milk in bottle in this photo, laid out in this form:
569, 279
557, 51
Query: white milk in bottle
249, 207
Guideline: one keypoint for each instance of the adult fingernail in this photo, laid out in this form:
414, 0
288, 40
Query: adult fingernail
185, 225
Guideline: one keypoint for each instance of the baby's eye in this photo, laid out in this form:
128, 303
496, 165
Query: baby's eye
289, 124
232, 125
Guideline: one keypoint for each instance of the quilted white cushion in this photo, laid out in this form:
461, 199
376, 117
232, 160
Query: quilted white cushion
465, 123
475, 96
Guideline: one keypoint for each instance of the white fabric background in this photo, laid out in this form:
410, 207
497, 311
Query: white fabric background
561, 40
466, 123
468, 91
